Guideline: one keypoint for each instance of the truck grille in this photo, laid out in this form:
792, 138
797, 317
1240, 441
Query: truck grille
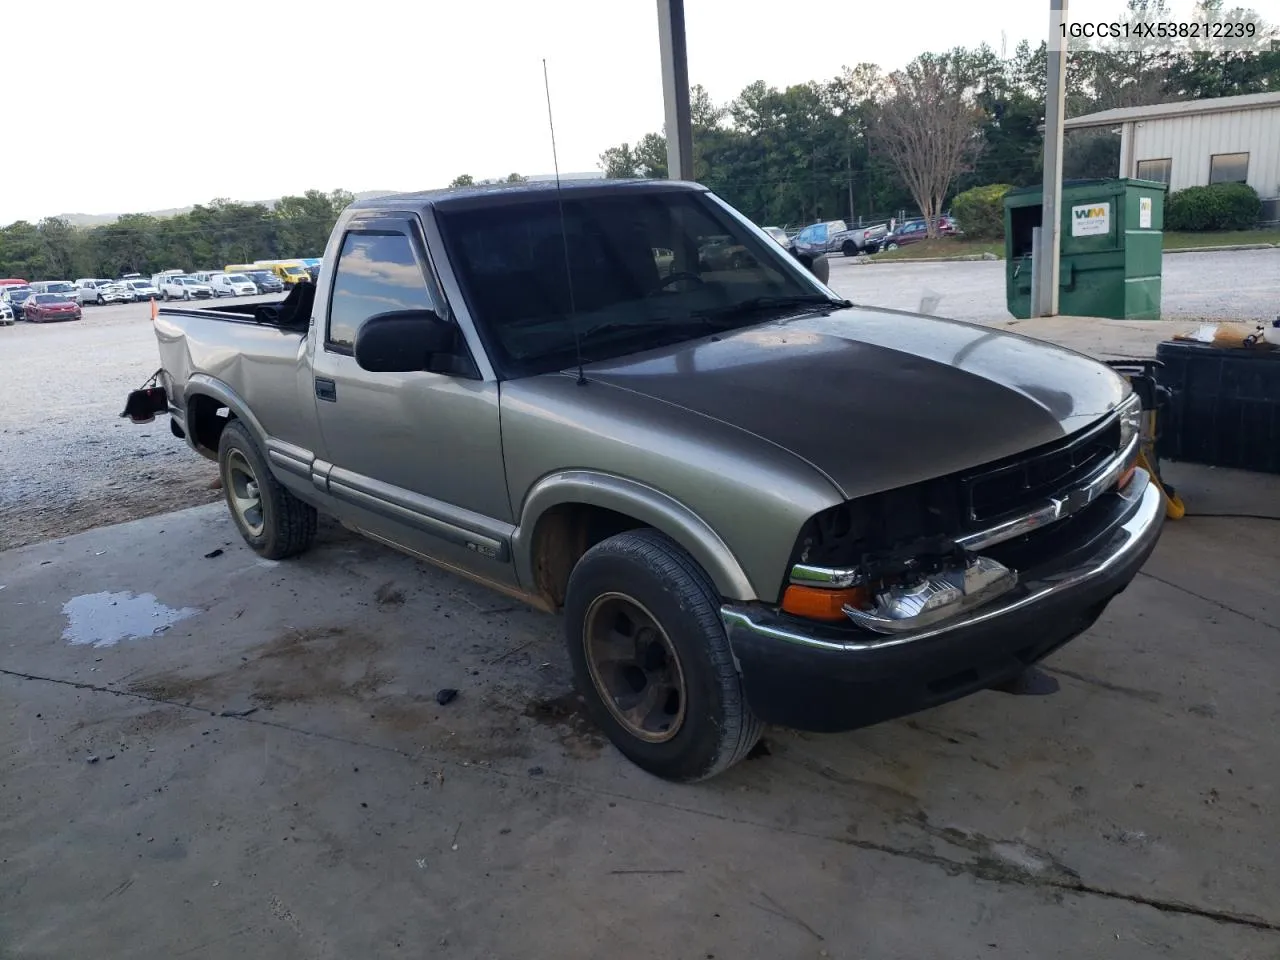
938, 510
1022, 483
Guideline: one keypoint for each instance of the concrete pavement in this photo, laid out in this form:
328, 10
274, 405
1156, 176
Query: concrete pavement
271, 774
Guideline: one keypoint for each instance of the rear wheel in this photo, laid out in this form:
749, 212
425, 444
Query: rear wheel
273, 522
652, 660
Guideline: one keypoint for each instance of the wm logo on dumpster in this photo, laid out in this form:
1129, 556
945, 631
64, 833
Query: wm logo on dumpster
1090, 213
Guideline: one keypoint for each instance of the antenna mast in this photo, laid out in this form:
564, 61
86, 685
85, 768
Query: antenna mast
564, 230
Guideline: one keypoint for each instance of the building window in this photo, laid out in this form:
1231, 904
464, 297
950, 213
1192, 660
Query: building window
1229, 168
1157, 170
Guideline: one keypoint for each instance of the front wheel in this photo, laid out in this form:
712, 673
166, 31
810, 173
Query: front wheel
186, 295
652, 660
891, 246
849, 248
274, 523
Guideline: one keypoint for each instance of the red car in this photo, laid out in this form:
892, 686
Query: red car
49, 306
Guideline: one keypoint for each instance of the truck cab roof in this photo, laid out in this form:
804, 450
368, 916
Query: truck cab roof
498, 194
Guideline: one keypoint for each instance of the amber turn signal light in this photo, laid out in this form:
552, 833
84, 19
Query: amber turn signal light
816, 603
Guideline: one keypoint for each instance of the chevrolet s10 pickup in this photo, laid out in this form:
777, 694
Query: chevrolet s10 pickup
750, 500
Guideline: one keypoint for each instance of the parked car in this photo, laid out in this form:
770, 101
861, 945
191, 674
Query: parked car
913, 231
751, 501
16, 297
723, 253
103, 292
43, 307
184, 288
265, 281
64, 287
158, 279
780, 235
7, 316
140, 289
12, 282
232, 285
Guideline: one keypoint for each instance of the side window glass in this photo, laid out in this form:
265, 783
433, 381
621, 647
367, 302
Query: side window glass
376, 273
820, 233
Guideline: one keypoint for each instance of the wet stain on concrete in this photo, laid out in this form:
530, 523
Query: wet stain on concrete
104, 619
568, 718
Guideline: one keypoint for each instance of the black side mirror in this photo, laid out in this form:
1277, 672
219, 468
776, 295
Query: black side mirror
817, 265
402, 341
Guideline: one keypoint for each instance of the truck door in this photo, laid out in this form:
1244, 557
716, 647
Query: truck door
416, 457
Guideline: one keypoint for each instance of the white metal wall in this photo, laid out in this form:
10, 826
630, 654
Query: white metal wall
1190, 141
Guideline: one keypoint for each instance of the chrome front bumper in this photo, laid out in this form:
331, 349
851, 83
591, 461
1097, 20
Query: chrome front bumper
1141, 507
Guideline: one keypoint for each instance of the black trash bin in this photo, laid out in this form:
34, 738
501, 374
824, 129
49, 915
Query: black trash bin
1224, 405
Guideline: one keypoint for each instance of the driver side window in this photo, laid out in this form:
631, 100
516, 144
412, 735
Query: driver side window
376, 273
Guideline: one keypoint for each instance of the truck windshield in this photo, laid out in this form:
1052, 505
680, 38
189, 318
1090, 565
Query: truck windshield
644, 269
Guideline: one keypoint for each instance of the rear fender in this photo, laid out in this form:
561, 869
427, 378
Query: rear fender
203, 385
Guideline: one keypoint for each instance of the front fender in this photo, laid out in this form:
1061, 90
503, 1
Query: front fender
634, 499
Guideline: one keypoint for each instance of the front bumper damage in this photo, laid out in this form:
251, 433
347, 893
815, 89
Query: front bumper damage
827, 677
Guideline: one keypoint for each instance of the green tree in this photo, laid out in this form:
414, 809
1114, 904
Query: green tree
463, 180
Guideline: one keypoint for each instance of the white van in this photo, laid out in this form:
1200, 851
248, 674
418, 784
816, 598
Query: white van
232, 285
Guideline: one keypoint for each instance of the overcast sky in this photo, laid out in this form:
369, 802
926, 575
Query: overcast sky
150, 105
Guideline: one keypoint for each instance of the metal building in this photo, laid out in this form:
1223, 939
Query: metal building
1198, 142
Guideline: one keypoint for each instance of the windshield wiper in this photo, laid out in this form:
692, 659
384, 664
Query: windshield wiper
696, 321
744, 308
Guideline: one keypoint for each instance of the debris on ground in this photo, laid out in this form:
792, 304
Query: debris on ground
238, 713
213, 553
446, 696
92, 759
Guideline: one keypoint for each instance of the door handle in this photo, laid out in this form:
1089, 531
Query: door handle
326, 389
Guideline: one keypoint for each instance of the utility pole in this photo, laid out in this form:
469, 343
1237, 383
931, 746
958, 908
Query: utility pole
1046, 265
849, 156
675, 89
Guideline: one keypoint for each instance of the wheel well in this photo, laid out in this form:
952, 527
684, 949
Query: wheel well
563, 534
206, 419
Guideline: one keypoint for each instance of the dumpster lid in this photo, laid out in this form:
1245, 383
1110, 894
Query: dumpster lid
1100, 182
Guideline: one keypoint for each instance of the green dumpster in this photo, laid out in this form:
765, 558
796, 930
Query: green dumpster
1112, 243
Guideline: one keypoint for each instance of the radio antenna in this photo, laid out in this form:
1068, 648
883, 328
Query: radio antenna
564, 230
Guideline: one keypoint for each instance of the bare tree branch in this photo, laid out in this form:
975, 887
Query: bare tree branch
929, 127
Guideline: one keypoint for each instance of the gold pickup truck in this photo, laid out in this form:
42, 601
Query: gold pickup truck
749, 500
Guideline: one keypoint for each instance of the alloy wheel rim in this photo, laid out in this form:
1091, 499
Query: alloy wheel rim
244, 493
634, 667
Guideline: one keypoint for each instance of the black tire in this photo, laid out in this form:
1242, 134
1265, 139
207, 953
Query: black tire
288, 525
716, 728
849, 248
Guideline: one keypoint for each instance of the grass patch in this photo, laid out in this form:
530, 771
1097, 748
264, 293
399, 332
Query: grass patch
1225, 238
943, 247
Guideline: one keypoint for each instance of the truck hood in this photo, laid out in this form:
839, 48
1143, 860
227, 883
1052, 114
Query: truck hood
876, 399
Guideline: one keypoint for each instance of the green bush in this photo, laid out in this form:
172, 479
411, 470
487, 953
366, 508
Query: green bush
1219, 206
980, 211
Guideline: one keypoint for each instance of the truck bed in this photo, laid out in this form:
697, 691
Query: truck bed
246, 348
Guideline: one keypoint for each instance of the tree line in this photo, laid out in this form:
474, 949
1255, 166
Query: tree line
209, 235
870, 144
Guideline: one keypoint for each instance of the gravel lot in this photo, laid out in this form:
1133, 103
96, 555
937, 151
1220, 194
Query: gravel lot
77, 465
71, 462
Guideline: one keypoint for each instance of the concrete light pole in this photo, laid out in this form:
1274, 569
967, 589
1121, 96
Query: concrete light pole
1045, 263
675, 89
